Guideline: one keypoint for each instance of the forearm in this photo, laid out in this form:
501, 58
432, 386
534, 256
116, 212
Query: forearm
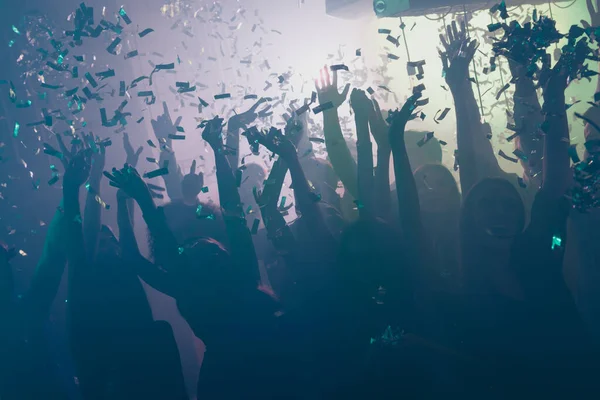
341, 159
408, 200
277, 229
150, 273
127, 241
475, 152
76, 256
92, 217
48, 273
173, 178
305, 201
232, 144
382, 183
556, 163
229, 197
274, 183
528, 117
243, 253
365, 167
166, 247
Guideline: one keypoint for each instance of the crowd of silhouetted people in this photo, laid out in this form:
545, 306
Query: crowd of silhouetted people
419, 288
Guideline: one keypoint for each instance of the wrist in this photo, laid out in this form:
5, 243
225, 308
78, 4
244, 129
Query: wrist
524, 87
216, 147
146, 203
460, 86
70, 190
331, 113
554, 103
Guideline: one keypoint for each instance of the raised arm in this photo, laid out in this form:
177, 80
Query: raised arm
92, 216
306, 201
82, 329
164, 129
556, 163
380, 132
361, 106
475, 153
337, 149
37, 301
133, 156
77, 173
166, 247
406, 188
527, 114
235, 126
152, 274
242, 247
278, 231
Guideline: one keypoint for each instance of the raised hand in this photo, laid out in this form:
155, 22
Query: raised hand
240, 121
458, 53
360, 103
327, 88
192, 183
398, 119
379, 128
98, 154
64, 155
213, 133
594, 15
273, 140
163, 126
132, 156
78, 170
128, 180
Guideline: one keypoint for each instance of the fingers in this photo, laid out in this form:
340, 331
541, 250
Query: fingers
139, 151
335, 79
178, 121
165, 109
444, 42
344, 93
463, 29
117, 174
193, 168
155, 187
472, 48
62, 146
585, 24
327, 76
111, 179
256, 105
322, 76
455, 30
449, 34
